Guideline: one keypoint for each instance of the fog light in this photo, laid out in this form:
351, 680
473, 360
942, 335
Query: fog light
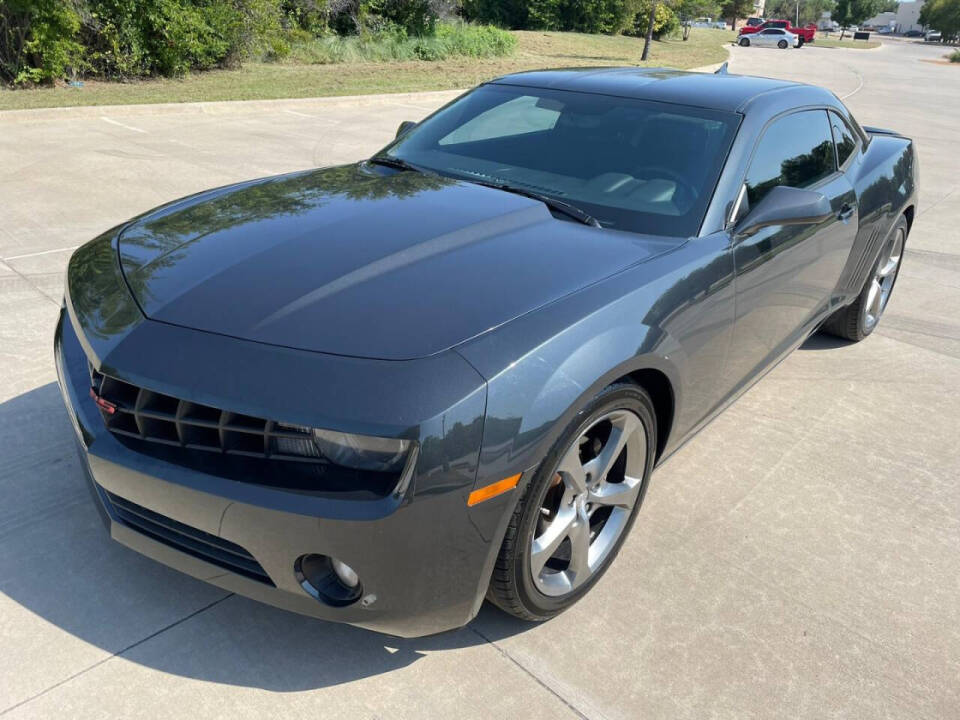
346, 573
329, 580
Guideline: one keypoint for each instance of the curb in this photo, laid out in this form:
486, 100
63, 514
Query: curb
222, 107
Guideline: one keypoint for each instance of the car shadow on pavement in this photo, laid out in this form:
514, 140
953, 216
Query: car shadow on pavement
822, 341
59, 565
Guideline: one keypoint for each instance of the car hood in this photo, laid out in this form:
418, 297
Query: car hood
362, 261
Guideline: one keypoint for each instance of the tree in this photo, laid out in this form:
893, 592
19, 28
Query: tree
649, 37
854, 12
942, 15
733, 9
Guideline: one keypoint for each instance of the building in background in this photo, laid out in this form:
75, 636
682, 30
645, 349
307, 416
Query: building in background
883, 20
908, 16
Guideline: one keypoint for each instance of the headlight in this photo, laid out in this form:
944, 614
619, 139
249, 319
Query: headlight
362, 451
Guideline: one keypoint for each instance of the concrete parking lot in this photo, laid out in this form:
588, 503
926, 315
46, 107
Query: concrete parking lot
799, 558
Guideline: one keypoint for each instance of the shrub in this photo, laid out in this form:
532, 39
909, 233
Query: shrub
38, 40
503, 13
955, 56
127, 38
588, 16
665, 21
449, 40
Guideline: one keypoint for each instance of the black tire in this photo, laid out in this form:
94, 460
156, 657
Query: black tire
744, 42
849, 322
512, 587
800, 41
782, 44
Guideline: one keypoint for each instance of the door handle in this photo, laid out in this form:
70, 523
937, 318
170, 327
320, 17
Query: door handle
847, 211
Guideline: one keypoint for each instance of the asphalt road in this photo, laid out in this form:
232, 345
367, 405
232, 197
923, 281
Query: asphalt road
799, 558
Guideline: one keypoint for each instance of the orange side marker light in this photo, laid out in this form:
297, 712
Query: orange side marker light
493, 489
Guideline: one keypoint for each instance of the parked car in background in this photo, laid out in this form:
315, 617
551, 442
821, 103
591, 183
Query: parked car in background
754, 21
710, 23
806, 33
771, 37
933, 36
913, 33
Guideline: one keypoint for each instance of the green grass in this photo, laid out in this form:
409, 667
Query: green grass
848, 42
295, 77
954, 57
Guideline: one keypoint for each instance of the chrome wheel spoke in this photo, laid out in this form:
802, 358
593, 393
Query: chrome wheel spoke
888, 267
546, 545
624, 426
572, 470
872, 305
621, 494
579, 567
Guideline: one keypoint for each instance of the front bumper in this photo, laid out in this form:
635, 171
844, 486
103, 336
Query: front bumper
424, 559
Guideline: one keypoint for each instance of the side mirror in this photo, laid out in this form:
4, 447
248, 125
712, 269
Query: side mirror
785, 206
405, 127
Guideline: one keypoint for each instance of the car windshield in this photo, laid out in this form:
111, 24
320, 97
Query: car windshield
633, 165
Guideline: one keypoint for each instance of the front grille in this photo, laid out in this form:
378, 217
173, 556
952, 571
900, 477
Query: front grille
187, 539
137, 412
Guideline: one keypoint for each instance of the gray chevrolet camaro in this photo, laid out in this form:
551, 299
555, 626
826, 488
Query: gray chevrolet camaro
382, 392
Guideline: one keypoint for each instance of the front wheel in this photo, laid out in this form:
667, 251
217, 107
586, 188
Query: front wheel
859, 319
744, 42
578, 507
782, 44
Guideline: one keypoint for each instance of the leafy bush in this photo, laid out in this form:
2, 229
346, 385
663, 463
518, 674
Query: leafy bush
415, 17
502, 13
38, 40
665, 21
954, 56
448, 40
170, 37
41, 40
589, 16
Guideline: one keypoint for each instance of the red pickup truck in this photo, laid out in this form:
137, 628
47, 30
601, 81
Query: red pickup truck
806, 33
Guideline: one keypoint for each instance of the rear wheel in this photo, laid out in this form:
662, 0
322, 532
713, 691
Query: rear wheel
782, 44
744, 42
800, 41
577, 509
859, 319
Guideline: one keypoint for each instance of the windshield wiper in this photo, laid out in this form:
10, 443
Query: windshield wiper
559, 205
395, 162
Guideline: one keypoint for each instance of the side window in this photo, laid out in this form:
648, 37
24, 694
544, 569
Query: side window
844, 138
795, 150
524, 114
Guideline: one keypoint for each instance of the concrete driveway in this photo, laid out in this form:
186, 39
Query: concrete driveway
799, 558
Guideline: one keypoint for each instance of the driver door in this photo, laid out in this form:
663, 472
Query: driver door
786, 275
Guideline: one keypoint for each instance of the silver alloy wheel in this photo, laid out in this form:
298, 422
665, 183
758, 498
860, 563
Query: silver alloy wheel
882, 282
589, 502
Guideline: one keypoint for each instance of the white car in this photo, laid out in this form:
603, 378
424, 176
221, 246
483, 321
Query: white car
932, 36
771, 37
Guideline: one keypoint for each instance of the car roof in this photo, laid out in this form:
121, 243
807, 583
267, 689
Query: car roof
733, 93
